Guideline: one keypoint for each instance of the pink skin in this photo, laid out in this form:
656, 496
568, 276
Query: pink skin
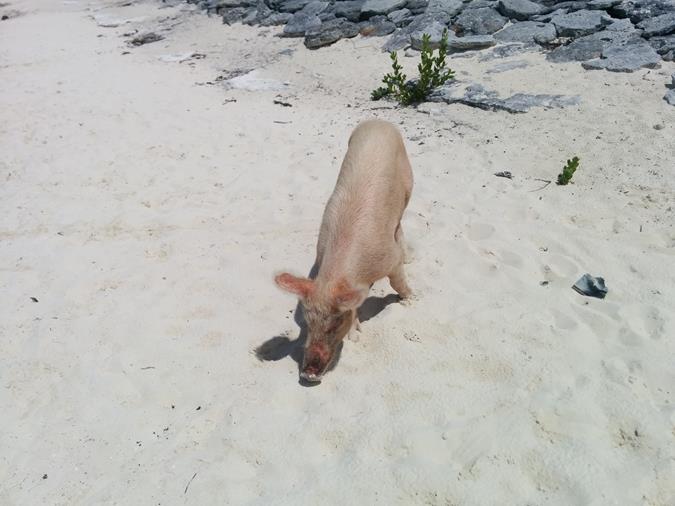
360, 241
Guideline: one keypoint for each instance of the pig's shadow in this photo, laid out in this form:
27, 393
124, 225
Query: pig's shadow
281, 346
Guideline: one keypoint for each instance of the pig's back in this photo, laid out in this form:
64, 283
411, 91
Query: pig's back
372, 190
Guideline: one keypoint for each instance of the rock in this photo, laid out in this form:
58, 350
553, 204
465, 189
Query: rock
480, 21
277, 18
292, 5
234, 15
469, 42
506, 51
621, 25
602, 5
660, 25
377, 26
330, 32
480, 4
449, 7
506, 66
528, 32
672, 80
400, 17
545, 18
627, 57
475, 95
434, 30
518, 9
401, 37
580, 23
638, 10
573, 5
665, 46
304, 20
145, 38
417, 6
299, 24
380, 7
670, 97
350, 10
591, 46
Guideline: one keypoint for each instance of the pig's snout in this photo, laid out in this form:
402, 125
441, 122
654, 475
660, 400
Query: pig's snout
315, 362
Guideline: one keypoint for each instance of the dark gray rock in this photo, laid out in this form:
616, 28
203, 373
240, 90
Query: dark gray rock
234, 15
621, 25
330, 32
434, 30
665, 46
401, 37
591, 46
506, 51
528, 32
300, 23
145, 38
222, 5
627, 57
519, 9
305, 20
417, 6
670, 97
400, 17
545, 18
480, 4
475, 95
470, 42
257, 14
380, 7
638, 10
660, 25
278, 18
603, 4
480, 21
580, 23
449, 7
292, 5
572, 5
350, 10
377, 26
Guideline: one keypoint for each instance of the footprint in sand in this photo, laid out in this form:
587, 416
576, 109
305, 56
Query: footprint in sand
562, 321
480, 231
562, 266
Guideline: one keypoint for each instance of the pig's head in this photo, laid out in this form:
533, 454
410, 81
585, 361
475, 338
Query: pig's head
329, 313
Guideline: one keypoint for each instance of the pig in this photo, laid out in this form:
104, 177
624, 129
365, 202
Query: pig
360, 242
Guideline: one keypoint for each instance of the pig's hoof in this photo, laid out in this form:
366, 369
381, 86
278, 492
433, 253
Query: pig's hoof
408, 299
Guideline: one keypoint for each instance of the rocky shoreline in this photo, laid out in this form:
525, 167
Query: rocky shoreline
615, 35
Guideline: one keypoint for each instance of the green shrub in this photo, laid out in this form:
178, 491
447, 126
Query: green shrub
432, 69
568, 171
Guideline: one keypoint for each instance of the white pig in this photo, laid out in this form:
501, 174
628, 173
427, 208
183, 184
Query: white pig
360, 242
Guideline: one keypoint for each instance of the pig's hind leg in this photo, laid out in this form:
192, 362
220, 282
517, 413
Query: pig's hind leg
401, 243
397, 278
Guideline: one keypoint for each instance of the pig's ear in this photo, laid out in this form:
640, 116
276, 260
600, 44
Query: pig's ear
346, 297
301, 287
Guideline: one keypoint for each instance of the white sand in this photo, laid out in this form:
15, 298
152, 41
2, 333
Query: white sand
147, 215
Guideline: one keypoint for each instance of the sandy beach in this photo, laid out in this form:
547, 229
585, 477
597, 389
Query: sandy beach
148, 199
